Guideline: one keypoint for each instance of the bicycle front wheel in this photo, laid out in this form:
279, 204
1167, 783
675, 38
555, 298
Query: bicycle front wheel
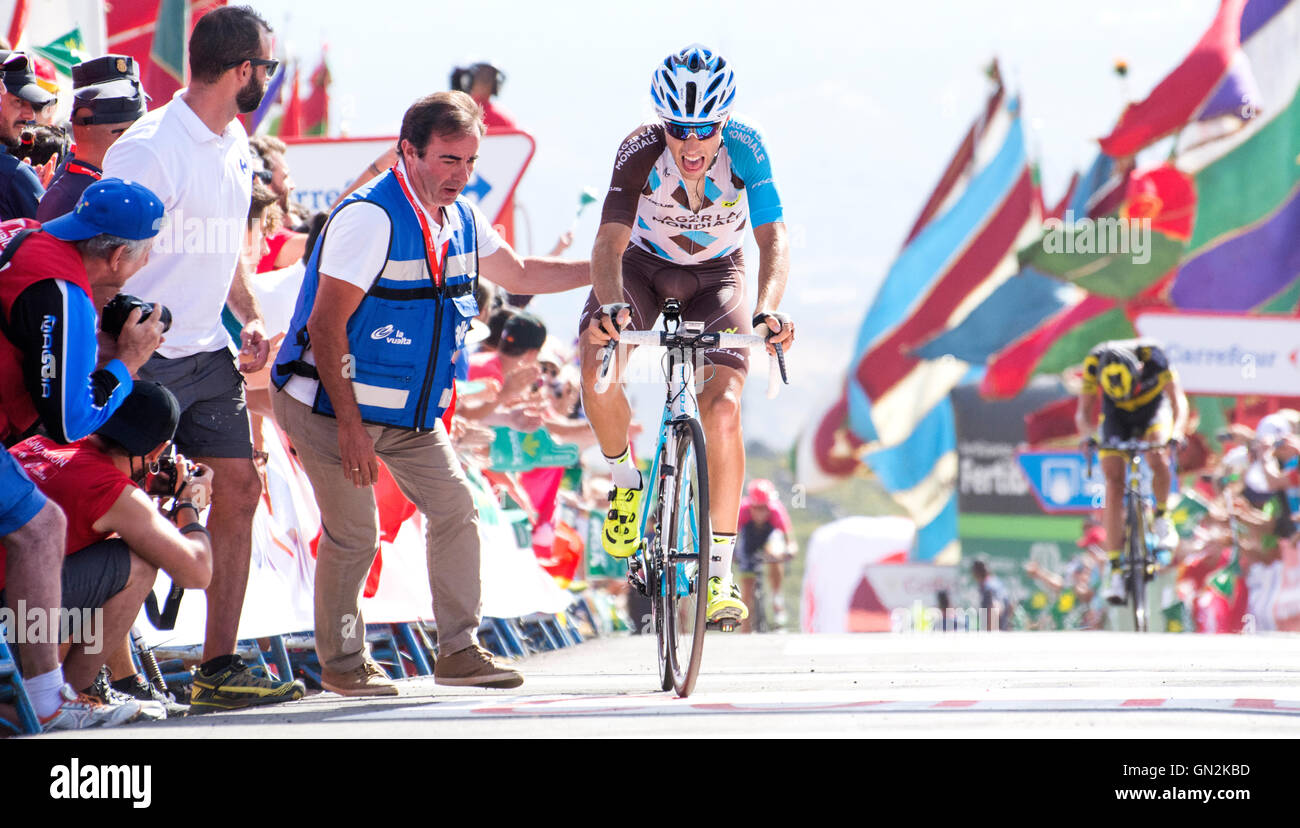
759, 622
1137, 565
656, 575
687, 545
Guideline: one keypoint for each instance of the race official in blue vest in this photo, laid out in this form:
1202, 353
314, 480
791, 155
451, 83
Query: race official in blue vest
367, 370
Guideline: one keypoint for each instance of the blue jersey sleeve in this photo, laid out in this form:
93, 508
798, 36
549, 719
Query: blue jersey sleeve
54, 325
750, 161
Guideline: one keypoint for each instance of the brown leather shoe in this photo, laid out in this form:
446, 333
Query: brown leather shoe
474, 667
366, 679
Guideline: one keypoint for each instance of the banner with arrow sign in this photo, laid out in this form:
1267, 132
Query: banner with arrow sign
324, 167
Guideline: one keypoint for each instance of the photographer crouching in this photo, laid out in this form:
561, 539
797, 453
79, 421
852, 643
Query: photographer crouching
56, 373
106, 485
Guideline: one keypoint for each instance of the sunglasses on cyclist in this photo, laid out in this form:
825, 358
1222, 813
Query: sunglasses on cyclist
270, 65
683, 131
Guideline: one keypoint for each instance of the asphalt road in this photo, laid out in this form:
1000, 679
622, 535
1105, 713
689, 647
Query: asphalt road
1039, 684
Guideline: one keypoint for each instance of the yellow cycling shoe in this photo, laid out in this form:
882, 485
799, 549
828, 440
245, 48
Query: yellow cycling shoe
622, 533
724, 601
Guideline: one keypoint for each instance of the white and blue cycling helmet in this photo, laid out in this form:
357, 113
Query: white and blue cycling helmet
693, 86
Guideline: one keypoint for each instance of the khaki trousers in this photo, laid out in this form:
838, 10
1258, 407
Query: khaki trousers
428, 473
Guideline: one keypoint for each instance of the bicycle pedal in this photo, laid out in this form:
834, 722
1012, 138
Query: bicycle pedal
725, 625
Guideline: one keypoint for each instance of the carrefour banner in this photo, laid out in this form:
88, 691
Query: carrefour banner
1229, 354
323, 168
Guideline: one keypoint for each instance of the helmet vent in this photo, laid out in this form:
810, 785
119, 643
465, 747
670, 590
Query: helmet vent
668, 79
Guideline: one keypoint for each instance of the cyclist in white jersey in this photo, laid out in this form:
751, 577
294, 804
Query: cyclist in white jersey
682, 193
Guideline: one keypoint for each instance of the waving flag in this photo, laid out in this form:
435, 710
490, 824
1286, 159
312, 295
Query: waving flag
316, 108
1063, 340
156, 33
65, 51
1020, 303
1245, 248
963, 247
954, 262
289, 124
826, 451
1057, 330
1186, 91
1122, 253
17, 22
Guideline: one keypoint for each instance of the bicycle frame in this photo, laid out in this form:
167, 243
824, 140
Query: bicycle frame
682, 535
680, 404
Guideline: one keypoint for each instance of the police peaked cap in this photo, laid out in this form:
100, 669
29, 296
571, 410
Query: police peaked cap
110, 87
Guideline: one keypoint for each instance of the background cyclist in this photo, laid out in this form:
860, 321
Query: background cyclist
764, 533
682, 193
1140, 400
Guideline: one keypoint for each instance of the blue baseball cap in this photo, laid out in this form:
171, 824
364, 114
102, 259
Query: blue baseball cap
114, 207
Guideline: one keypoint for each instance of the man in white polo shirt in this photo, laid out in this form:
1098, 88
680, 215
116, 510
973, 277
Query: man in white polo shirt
194, 154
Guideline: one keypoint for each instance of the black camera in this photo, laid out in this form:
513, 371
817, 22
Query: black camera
174, 471
114, 315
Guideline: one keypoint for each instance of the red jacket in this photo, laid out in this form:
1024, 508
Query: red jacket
40, 257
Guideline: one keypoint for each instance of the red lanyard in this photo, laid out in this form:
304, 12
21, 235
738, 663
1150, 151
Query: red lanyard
435, 255
81, 169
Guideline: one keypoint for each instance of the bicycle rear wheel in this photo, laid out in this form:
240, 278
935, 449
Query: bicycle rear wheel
687, 544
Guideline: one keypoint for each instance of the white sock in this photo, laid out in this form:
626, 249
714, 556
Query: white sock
626, 475
43, 690
720, 552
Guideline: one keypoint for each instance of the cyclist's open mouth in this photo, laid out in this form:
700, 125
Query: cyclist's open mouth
692, 163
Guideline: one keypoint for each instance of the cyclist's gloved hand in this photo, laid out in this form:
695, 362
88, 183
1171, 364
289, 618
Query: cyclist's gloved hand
608, 321
780, 328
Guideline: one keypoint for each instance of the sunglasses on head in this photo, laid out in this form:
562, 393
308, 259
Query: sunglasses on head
683, 131
270, 65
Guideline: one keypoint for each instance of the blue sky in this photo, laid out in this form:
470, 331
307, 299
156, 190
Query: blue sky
861, 106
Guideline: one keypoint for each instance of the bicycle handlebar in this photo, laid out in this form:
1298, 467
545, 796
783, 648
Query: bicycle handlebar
1130, 447
693, 341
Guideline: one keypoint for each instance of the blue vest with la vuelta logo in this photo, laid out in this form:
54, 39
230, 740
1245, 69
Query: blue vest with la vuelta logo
408, 327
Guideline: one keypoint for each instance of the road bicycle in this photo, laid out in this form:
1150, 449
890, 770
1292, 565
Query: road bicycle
671, 568
763, 610
1139, 563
